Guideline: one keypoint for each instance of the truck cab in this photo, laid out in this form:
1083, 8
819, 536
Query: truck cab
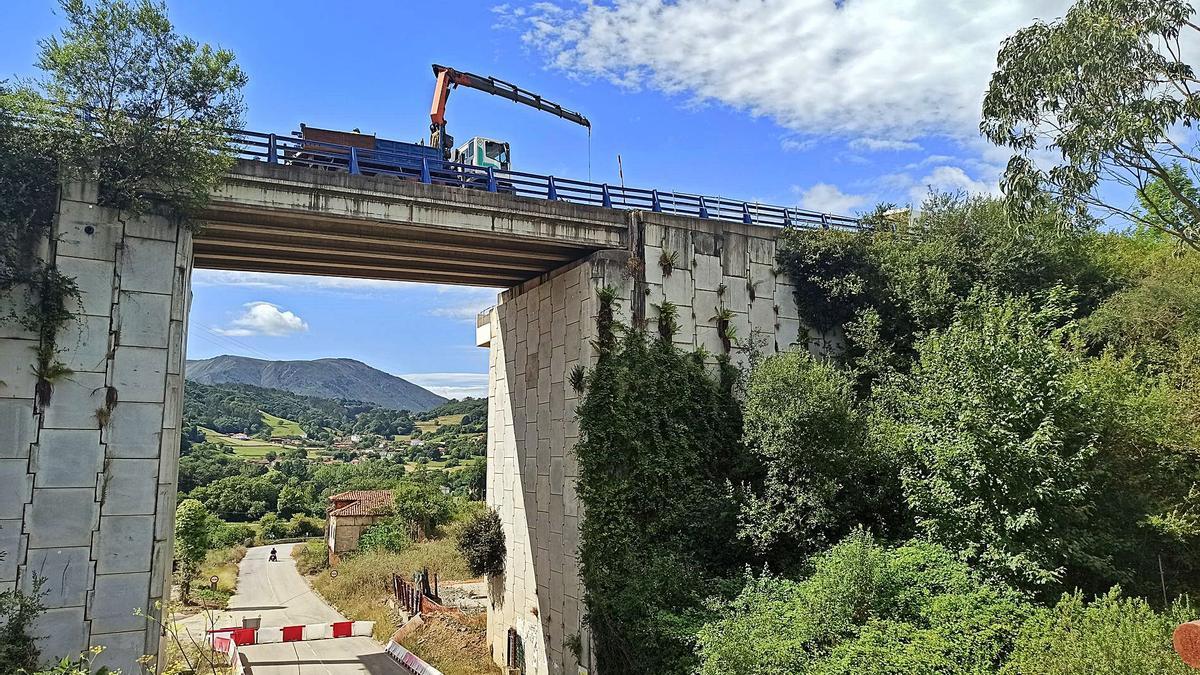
484, 153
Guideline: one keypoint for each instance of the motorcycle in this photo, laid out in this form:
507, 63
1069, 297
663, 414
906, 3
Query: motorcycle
274, 557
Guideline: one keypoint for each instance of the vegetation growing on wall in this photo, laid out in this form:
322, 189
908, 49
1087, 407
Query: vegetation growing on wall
126, 102
659, 445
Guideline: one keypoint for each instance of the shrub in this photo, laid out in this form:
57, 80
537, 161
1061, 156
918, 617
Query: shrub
866, 608
225, 535
1109, 635
803, 423
390, 536
481, 542
311, 556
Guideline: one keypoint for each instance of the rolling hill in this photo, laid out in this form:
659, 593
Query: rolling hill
324, 378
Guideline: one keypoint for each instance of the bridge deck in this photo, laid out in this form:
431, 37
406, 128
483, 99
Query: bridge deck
278, 218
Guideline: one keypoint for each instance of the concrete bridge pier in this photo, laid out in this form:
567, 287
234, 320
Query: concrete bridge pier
537, 335
89, 479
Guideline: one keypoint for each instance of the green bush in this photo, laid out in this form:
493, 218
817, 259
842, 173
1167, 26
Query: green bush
481, 542
225, 535
1109, 635
311, 556
865, 608
390, 536
804, 424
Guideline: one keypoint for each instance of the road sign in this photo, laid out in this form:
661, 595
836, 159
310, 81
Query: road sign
212, 581
333, 573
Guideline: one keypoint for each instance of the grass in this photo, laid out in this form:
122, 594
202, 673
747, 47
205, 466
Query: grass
251, 448
444, 420
223, 564
363, 584
280, 427
454, 644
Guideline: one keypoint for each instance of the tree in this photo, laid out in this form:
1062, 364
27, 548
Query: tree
139, 107
422, 506
993, 442
481, 542
389, 536
1105, 87
295, 499
803, 422
191, 542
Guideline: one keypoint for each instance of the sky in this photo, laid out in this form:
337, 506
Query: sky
828, 105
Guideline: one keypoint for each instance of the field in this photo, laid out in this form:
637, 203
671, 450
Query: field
252, 448
280, 427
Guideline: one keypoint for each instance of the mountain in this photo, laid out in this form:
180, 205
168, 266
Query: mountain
324, 378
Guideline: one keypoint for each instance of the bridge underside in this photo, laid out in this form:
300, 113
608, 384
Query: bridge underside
270, 218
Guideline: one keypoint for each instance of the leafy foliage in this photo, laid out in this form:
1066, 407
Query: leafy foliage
872, 295
481, 542
192, 542
422, 507
659, 515
805, 425
390, 536
1105, 87
148, 108
865, 608
1108, 635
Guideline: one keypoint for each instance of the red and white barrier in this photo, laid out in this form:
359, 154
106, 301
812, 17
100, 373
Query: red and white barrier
313, 631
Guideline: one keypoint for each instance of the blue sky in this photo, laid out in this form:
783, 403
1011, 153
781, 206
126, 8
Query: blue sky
832, 106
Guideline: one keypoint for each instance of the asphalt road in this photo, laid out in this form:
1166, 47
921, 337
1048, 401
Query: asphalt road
275, 592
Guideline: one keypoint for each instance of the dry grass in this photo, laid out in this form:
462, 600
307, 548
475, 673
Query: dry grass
454, 644
363, 584
223, 564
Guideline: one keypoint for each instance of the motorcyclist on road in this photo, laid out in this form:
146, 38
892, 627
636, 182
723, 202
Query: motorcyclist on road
274, 555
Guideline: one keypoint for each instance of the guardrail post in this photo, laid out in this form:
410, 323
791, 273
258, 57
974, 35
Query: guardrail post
353, 160
425, 177
746, 214
824, 221
787, 218
655, 204
703, 208
491, 173
551, 190
272, 150
605, 197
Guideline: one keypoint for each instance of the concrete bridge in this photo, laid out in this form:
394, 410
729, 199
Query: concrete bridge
90, 486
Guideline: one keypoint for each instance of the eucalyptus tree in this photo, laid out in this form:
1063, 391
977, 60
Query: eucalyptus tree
1108, 94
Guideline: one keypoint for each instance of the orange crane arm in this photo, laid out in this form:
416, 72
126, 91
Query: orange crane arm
448, 76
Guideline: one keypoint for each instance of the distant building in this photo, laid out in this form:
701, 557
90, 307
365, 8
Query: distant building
349, 514
240, 436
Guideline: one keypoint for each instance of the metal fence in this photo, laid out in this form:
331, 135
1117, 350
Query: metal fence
291, 150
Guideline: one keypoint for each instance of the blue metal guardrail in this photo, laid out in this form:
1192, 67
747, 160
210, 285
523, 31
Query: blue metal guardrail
288, 149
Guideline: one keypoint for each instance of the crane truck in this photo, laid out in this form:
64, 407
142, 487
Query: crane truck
478, 151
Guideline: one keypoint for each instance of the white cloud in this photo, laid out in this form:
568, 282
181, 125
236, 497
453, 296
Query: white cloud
451, 385
888, 70
797, 144
950, 179
828, 198
263, 318
883, 145
474, 301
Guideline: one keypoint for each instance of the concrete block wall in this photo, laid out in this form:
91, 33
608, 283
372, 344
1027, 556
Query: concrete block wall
539, 332
91, 505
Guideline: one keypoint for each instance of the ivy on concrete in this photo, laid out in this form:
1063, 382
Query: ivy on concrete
659, 452
126, 103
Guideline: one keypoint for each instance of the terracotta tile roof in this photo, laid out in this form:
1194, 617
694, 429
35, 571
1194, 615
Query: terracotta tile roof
362, 503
